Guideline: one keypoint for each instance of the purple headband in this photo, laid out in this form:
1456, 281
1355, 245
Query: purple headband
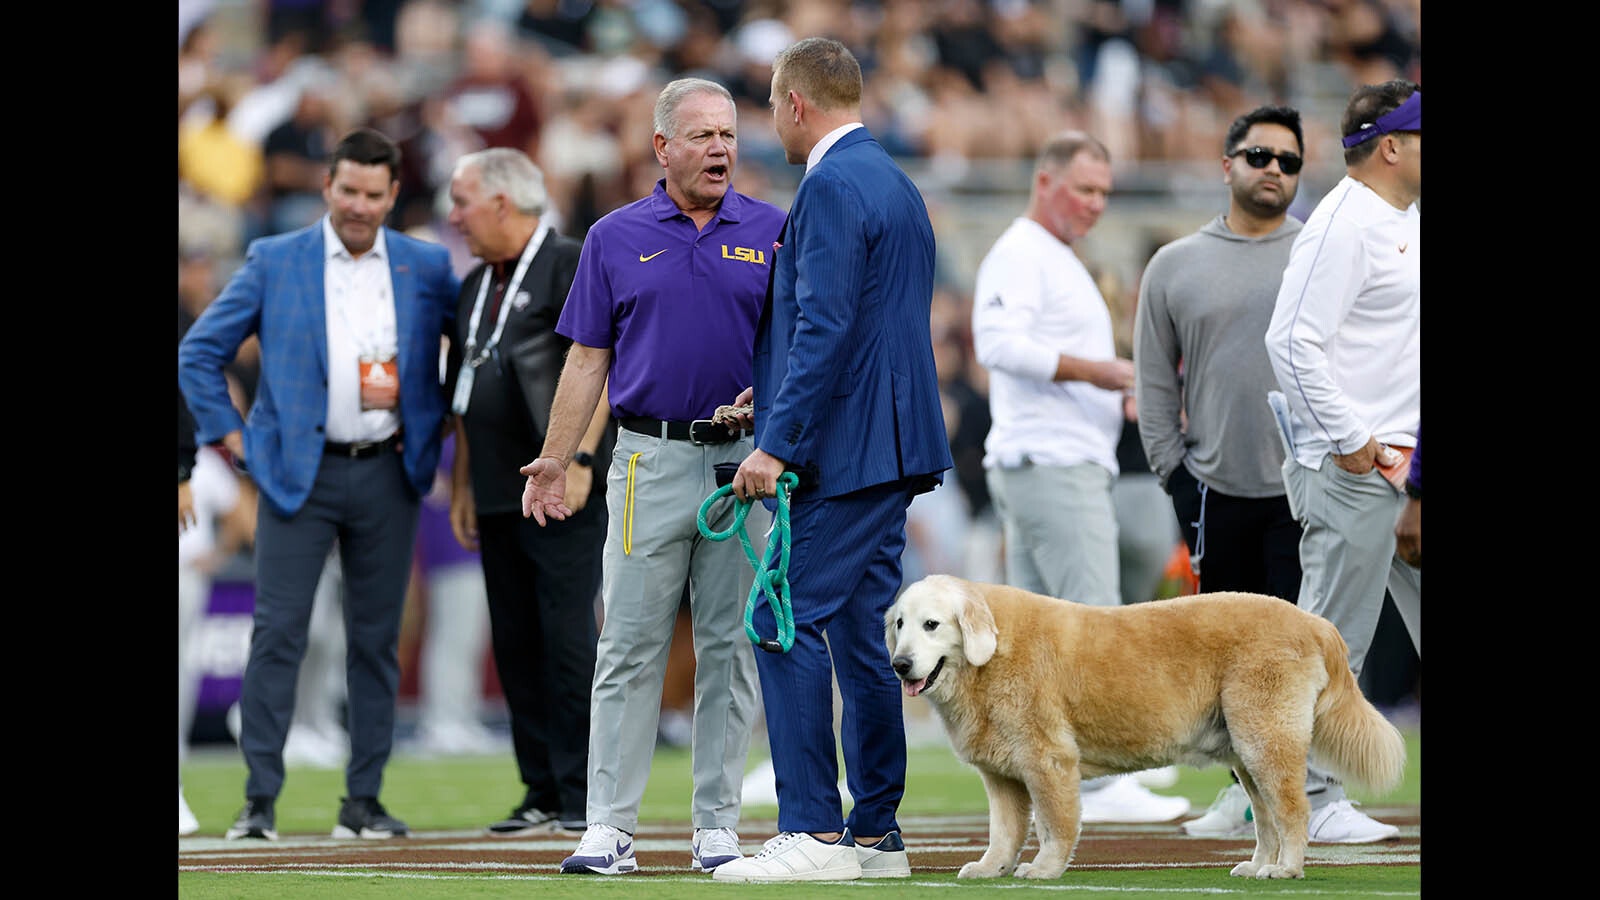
1405, 117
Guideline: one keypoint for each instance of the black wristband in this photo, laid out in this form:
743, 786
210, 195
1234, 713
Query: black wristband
584, 458
183, 473
1413, 491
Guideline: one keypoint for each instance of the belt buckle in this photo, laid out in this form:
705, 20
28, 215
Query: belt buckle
723, 436
359, 447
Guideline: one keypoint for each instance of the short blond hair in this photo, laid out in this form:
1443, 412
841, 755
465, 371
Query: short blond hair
822, 70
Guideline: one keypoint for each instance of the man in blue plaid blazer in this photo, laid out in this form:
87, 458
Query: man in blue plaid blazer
342, 441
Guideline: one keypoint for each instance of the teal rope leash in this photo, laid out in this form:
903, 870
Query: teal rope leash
771, 581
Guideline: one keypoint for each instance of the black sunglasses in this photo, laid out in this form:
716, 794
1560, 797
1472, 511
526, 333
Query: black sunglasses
1258, 157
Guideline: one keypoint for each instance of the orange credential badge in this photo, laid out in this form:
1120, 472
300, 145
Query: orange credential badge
380, 383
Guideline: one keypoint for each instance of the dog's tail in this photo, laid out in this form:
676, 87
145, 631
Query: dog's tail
1350, 737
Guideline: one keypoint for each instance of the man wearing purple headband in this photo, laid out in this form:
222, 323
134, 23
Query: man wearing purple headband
1345, 344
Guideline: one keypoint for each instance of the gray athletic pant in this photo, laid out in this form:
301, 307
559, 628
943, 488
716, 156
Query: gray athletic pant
653, 545
1347, 559
1060, 530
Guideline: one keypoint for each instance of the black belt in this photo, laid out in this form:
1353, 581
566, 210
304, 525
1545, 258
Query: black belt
361, 449
700, 431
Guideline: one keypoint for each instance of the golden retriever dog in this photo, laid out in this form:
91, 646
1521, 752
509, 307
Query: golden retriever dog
1036, 693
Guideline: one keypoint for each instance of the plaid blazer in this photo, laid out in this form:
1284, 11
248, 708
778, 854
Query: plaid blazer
278, 295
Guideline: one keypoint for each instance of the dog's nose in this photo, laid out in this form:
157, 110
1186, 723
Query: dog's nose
902, 664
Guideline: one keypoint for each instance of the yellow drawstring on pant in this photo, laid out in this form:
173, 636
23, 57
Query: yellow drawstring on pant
627, 509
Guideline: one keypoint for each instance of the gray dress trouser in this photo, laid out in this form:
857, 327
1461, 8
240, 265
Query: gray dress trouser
653, 495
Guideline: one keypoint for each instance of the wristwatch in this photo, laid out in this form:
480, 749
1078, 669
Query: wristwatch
584, 458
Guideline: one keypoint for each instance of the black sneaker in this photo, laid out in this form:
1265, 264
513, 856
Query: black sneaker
365, 817
255, 821
525, 820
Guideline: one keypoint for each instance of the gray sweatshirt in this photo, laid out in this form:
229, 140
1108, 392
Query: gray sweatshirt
1204, 304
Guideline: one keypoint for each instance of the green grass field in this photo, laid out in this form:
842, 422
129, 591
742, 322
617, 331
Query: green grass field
465, 793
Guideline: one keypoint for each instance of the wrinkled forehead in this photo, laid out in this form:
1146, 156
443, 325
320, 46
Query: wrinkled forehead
703, 111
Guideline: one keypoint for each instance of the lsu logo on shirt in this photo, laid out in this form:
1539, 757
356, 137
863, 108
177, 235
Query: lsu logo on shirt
745, 254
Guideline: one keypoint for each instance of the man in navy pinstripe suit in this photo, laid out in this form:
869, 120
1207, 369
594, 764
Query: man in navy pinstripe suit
846, 395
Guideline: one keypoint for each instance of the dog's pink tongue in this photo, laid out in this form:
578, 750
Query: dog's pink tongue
914, 688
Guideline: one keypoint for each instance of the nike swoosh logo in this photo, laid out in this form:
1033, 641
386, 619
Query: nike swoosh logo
643, 258
622, 849
1403, 247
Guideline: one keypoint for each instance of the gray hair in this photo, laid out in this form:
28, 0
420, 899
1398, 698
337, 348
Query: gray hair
505, 170
1059, 151
673, 95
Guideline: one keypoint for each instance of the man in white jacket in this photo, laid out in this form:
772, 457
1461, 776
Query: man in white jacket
1345, 345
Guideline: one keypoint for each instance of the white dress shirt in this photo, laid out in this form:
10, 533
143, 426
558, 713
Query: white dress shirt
361, 323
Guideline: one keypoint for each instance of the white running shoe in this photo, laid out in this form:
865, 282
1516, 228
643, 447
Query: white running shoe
712, 847
308, 747
760, 787
1158, 779
1228, 817
1126, 801
885, 859
795, 856
456, 739
604, 850
1341, 823
187, 823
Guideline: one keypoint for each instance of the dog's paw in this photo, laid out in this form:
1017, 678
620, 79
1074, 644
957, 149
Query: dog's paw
1245, 869
1276, 871
977, 869
1034, 870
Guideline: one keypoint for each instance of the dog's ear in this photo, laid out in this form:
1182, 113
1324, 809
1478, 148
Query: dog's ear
978, 632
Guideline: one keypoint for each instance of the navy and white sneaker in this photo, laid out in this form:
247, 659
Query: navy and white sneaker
603, 851
365, 818
712, 847
256, 820
885, 859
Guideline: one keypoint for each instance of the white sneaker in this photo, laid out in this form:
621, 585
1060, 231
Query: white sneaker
1158, 779
885, 859
795, 856
308, 747
712, 847
1341, 823
604, 850
760, 787
1126, 801
1229, 816
456, 739
187, 823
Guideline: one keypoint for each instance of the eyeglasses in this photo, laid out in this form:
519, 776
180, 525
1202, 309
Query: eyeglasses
1258, 157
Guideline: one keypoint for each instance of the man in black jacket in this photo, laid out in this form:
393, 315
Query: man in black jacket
542, 582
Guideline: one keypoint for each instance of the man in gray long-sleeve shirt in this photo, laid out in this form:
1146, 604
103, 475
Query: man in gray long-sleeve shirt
1202, 374
1201, 379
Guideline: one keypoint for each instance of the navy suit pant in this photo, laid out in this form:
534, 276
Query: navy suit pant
844, 573
370, 508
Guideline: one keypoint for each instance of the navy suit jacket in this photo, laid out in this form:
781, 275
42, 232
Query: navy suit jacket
845, 386
278, 295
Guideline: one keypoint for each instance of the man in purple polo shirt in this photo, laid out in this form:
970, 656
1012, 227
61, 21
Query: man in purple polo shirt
665, 304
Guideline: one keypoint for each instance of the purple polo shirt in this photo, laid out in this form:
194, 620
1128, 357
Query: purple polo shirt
677, 308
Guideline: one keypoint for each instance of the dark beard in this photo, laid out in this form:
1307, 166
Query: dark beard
1249, 204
